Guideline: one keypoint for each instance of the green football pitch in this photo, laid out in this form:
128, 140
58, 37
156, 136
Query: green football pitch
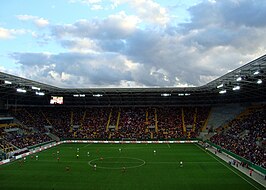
124, 166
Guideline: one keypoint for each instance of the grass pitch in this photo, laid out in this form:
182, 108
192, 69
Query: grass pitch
123, 166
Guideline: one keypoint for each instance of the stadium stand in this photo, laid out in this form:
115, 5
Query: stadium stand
220, 115
246, 135
105, 123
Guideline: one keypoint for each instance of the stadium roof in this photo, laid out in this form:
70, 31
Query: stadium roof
250, 78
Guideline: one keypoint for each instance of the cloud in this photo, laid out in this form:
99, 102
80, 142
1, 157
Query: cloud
229, 13
119, 51
40, 22
113, 27
93, 4
96, 7
148, 11
86, 1
81, 45
5, 33
31, 59
93, 70
227, 23
10, 33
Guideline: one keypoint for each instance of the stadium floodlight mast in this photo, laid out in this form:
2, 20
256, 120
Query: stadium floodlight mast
21, 90
236, 88
222, 92
7, 82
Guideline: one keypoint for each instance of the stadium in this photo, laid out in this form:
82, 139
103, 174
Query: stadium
130, 97
135, 137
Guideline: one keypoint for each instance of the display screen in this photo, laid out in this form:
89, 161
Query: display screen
56, 100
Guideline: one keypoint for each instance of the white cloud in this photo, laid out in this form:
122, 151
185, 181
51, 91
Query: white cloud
96, 7
93, 4
81, 45
10, 33
5, 33
40, 22
86, 1
148, 11
113, 27
117, 51
26, 17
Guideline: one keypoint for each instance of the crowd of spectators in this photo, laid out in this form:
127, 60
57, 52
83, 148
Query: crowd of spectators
5, 146
30, 117
133, 125
29, 130
246, 137
138, 123
94, 124
170, 124
27, 139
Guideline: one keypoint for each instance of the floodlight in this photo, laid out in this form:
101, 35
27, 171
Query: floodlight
8, 82
239, 79
187, 94
40, 93
79, 95
165, 94
97, 95
35, 88
181, 94
236, 88
21, 90
256, 72
222, 92
259, 81
220, 86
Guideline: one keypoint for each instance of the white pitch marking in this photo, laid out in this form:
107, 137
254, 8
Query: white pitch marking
229, 168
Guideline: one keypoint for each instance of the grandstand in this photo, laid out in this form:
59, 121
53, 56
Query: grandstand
228, 114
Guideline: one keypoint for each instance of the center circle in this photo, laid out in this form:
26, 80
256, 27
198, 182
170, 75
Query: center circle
117, 163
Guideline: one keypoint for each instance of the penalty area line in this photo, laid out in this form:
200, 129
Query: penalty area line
168, 145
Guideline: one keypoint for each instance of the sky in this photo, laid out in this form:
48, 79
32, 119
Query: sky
129, 43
